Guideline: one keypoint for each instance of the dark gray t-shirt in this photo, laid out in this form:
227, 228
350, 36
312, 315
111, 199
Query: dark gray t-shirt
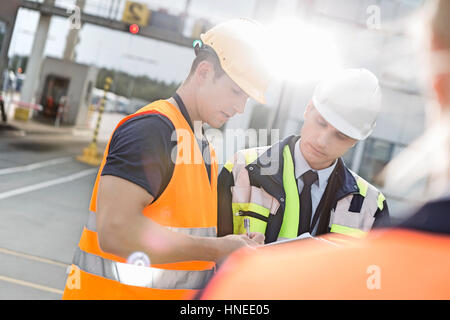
140, 152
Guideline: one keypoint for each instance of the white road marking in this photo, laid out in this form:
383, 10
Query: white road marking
46, 184
31, 257
30, 285
34, 166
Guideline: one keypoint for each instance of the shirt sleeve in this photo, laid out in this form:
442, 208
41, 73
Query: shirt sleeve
140, 152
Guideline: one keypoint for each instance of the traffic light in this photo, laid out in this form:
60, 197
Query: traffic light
134, 28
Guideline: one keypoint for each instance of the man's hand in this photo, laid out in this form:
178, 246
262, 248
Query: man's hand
258, 237
232, 242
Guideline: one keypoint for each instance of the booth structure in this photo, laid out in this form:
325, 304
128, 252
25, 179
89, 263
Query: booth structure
64, 91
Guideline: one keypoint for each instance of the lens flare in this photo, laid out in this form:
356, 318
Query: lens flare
139, 259
298, 52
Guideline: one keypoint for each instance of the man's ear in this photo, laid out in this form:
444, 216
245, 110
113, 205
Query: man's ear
203, 72
441, 86
307, 109
441, 82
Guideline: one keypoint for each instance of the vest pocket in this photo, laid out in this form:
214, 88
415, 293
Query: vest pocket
360, 220
258, 221
253, 203
254, 195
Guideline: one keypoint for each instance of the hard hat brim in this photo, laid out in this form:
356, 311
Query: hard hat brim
339, 123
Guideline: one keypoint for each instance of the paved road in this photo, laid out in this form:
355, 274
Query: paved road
44, 197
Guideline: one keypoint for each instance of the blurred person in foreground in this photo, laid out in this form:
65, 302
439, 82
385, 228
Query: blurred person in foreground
409, 261
151, 232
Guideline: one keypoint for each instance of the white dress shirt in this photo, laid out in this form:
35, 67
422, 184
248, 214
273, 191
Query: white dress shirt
318, 188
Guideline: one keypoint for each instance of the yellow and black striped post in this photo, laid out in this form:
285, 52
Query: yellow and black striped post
91, 155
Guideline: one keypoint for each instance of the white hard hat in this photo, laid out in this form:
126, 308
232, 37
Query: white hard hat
350, 101
238, 43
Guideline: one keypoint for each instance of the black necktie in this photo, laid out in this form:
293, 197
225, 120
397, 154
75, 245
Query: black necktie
308, 178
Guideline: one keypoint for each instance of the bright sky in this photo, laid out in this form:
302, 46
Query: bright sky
105, 48
113, 49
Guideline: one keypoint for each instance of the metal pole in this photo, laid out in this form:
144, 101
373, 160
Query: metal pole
102, 108
358, 155
2, 107
9, 9
184, 15
91, 155
36, 56
275, 121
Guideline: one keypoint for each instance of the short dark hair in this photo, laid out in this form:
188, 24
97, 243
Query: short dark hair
206, 53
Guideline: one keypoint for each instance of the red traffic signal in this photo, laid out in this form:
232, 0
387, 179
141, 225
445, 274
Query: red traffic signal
134, 28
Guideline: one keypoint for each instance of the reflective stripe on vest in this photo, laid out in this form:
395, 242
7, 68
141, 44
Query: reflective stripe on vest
289, 226
365, 187
250, 155
228, 165
101, 264
353, 232
105, 276
248, 201
380, 201
92, 222
89, 243
145, 276
140, 276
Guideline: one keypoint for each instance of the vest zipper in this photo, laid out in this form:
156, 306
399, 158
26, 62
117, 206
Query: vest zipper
253, 215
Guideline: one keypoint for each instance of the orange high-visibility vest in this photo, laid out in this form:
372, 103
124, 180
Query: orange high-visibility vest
188, 205
391, 264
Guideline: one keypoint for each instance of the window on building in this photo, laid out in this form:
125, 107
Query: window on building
376, 155
348, 157
2, 33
